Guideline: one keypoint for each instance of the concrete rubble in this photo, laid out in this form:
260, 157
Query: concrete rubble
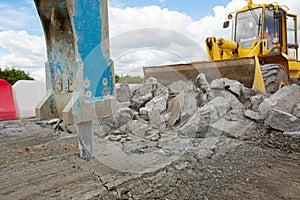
152, 112
222, 107
162, 140
163, 122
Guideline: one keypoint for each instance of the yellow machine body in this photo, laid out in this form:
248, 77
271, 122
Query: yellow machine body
264, 37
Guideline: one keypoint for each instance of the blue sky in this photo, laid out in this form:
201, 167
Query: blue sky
19, 15
187, 22
194, 8
25, 15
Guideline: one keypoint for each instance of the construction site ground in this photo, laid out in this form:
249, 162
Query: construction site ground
38, 162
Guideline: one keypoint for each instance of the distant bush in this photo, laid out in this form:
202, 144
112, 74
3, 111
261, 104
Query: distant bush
13, 75
117, 78
129, 79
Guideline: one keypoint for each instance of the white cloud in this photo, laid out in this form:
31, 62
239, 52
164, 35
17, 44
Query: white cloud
166, 23
14, 17
169, 47
23, 49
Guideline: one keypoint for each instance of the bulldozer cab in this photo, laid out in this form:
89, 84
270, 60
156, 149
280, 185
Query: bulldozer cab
269, 23
248, 27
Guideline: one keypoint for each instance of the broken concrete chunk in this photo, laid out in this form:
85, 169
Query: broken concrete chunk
257, 100
158, 89
145, 111
174, 108
232, 129
233, 101
228, 96
166, 117
254, 116
142, 95
199, 123
202, 98
182, 107
123, 92
108, 123
283, 121
217, 84
201, 82
249, 92
123, 105
219, 107
224, 83
192, 126
155, 119
179, 86
189, 106
123, 116
296, 111
284, 99
235, 87
236, 114
213, 93
158, 103
161, 91
137, 128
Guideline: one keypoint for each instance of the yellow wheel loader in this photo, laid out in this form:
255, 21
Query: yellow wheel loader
263, 54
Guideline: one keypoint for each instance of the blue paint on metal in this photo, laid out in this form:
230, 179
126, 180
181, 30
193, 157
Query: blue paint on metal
62, 4
92, 33
98, 70
87, 25
106, 89
86, 35
71, 73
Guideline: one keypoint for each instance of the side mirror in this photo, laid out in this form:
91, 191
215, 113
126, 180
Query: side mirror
226, 24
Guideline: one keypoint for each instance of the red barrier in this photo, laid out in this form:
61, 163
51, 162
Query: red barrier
7, 107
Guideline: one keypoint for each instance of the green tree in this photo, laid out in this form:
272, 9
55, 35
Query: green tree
130, 79
13, 75
117, 78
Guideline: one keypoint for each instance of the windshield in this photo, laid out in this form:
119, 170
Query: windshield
248, 27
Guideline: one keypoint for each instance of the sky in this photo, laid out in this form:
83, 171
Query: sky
142, 32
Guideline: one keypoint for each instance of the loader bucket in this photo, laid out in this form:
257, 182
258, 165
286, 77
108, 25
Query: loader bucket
240, 69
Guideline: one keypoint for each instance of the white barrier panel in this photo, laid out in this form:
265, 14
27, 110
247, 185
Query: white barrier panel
27, 95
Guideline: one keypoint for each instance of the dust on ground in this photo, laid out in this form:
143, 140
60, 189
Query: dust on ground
38, 162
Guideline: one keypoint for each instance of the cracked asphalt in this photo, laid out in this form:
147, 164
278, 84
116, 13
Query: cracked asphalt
37, 162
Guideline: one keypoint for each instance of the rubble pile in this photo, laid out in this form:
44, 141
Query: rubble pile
222, 107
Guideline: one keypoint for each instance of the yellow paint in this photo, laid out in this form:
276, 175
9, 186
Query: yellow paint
224, 49
258, 83
212, 49
294, 69
226, 44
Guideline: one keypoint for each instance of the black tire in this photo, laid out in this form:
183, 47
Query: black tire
274, 77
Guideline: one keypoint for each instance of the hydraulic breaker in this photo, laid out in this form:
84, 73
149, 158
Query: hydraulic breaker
79, 71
